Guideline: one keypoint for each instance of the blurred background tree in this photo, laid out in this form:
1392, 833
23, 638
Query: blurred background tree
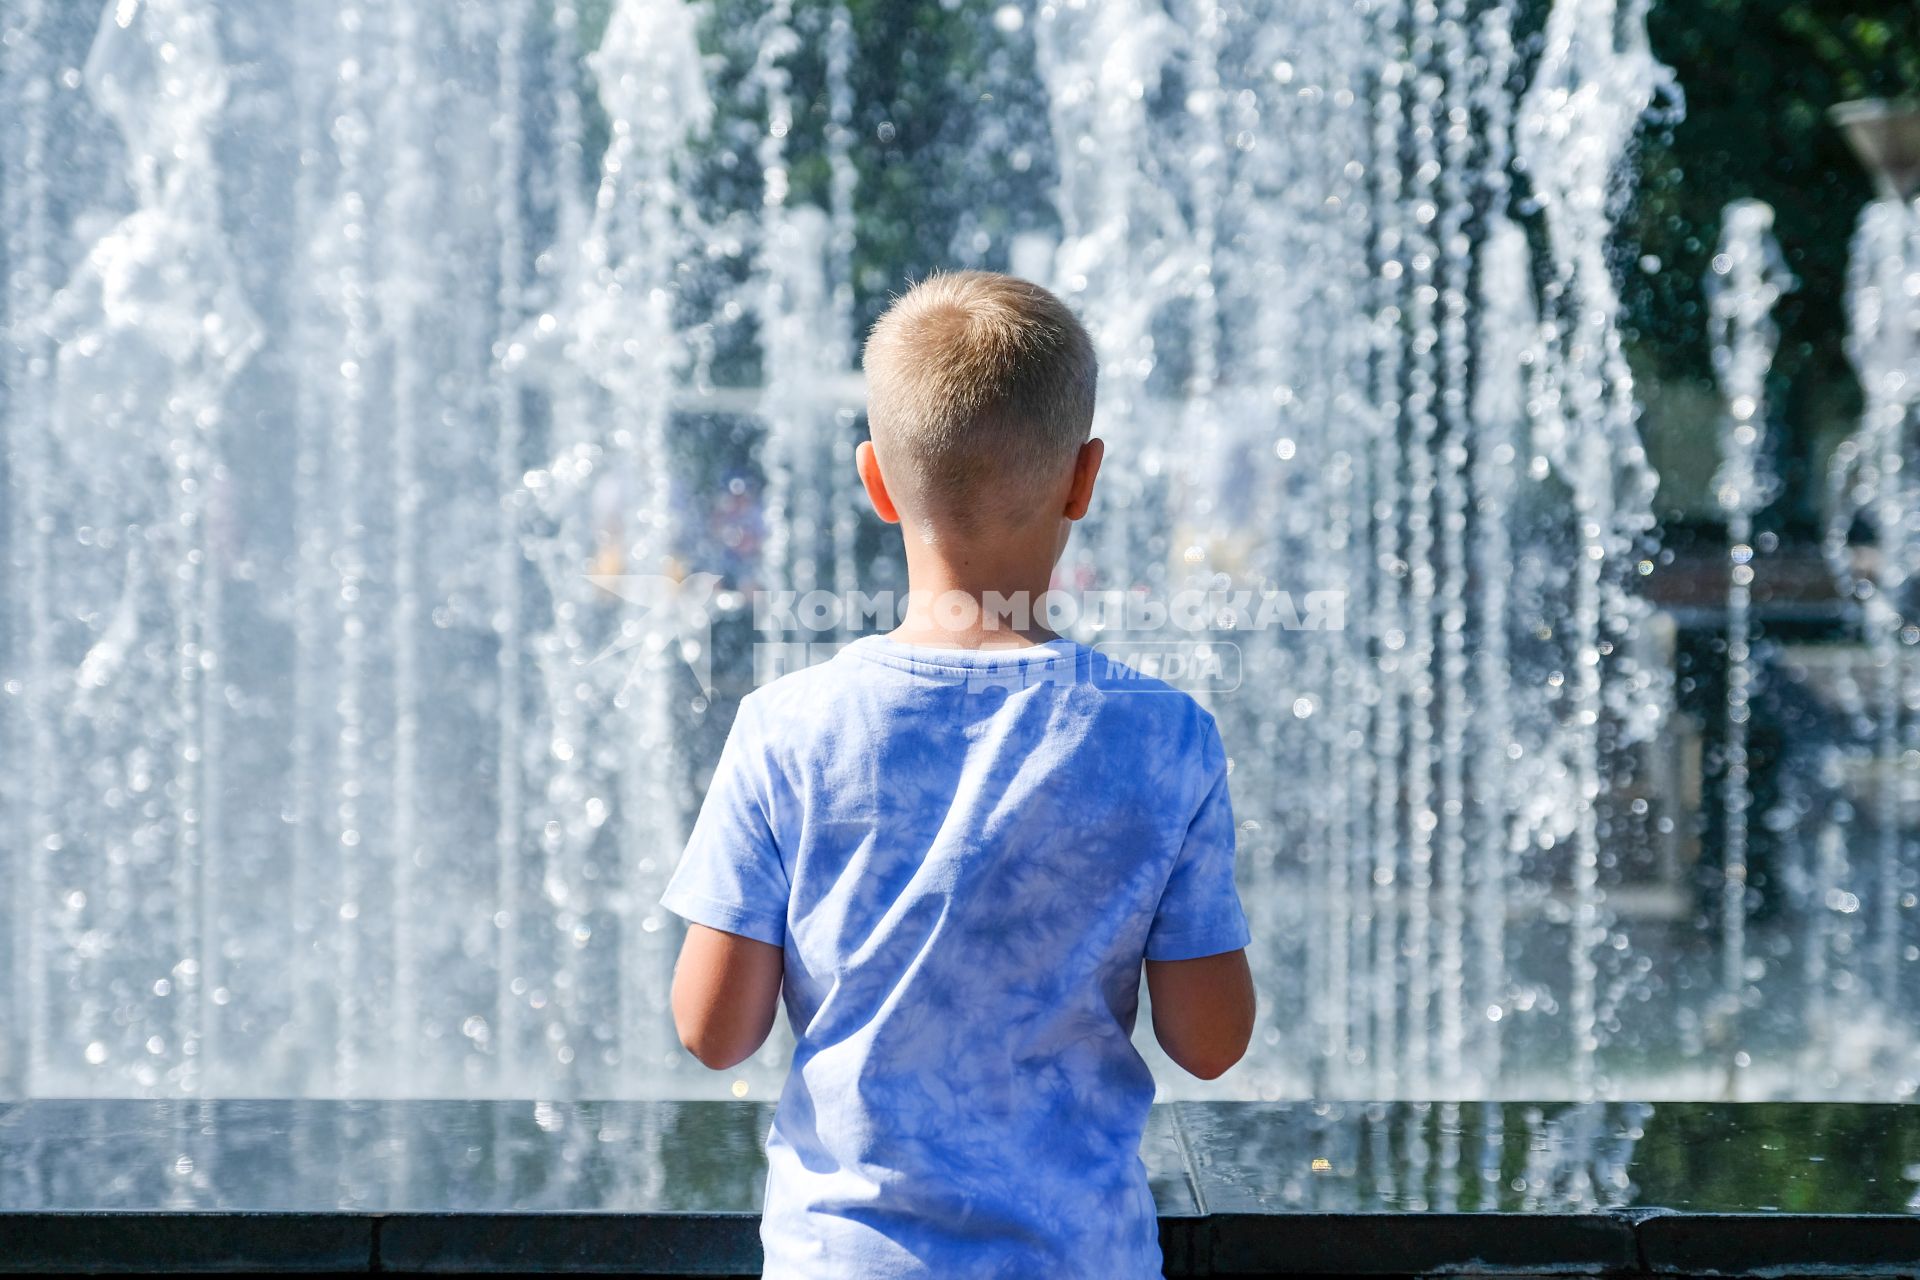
944, 102
1759, 76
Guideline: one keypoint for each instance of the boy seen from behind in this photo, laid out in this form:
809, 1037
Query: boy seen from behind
956, 846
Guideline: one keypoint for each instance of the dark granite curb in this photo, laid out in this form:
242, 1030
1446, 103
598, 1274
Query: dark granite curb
725, 1244
563, 1243
119, 1243
1624, 1190
1394, 1244
1764, 1244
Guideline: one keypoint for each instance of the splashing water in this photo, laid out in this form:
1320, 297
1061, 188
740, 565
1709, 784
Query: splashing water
1855, 950
397, 393
1749, 276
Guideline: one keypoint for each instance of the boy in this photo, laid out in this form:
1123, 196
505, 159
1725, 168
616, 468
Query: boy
957, 845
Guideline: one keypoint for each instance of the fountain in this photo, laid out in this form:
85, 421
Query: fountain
1871, 550
373, 378
1748, 277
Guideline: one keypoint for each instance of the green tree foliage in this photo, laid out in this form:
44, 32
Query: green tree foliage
1759, 77
947, 133
949, 137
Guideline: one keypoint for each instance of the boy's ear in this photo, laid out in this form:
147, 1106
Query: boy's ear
1086, 469
868, 464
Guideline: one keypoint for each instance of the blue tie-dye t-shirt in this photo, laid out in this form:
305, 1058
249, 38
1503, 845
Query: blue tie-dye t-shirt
966, 857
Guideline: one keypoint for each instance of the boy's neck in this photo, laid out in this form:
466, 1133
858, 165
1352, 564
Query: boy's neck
1018, 573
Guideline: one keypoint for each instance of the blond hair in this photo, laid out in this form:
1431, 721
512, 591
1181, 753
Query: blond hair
975, 378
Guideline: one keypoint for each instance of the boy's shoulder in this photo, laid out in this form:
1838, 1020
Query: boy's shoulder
1135, 691
804, 686
805, 703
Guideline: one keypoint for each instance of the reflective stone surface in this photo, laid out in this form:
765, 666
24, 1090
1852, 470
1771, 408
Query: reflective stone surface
1529, 1158
379, 1157
416, 1157
674, 1188
679, 1157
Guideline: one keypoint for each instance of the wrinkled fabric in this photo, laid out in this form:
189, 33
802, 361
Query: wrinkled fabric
965, 856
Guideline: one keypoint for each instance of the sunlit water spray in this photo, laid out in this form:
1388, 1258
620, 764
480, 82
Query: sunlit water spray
1749, 275
1861, 890
394, 393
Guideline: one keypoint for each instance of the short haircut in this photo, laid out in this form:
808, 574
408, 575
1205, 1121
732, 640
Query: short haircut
975, 378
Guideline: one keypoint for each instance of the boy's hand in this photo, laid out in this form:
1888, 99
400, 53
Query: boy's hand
725, 991
1202, 1010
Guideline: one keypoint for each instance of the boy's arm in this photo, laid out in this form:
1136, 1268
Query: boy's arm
726, 989
1202, 1010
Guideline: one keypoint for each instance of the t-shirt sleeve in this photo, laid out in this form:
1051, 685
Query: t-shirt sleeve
730, 877
1199, 912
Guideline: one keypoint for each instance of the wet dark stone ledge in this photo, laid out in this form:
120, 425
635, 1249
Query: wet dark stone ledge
1254, 1189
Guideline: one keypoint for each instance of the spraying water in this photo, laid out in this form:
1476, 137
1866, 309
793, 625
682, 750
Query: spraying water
1857, 948
1748, 278
396, 431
